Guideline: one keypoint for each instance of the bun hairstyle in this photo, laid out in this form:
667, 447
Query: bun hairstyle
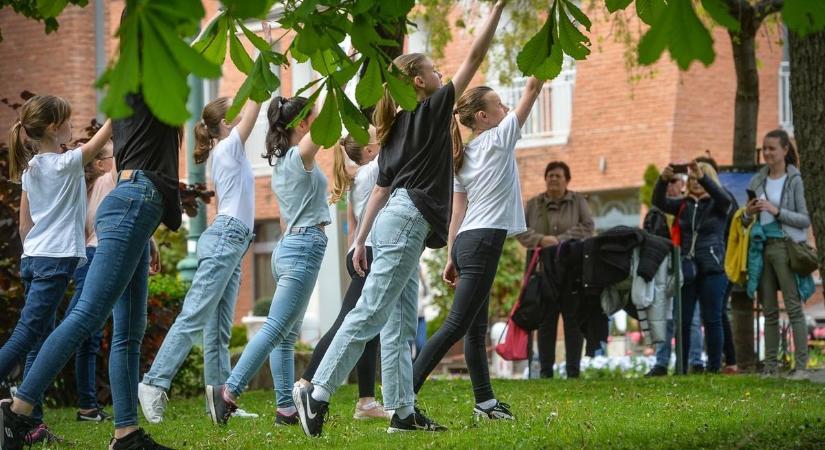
792, 158
36, 115
341, 177
471, 102
208, 129
282, 111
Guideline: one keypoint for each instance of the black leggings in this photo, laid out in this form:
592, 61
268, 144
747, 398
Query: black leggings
573, 338
369, 359
476, 254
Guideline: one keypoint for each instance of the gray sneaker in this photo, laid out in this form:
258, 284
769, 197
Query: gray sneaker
799, 375
153, 402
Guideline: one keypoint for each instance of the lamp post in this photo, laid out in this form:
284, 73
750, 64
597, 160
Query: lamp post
195, 173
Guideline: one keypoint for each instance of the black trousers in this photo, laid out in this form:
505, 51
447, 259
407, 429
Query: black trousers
476, 254
573, 338
366, 366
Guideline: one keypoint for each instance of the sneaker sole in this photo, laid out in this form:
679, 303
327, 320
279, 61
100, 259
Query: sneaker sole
299, 405
99, 419
210, 402
392, 430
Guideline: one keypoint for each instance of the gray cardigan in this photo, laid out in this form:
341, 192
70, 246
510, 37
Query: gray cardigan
793, 211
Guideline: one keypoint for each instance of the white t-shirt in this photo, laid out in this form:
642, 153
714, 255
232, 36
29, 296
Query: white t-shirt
360, 191
234, 180
773, 193
490, 178
56, 189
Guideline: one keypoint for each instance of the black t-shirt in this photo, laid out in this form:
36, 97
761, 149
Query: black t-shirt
143, 142
417, 156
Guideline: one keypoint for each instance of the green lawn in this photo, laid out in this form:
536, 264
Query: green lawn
681, 412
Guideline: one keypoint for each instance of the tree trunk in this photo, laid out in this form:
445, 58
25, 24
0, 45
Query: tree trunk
808, 102
746, 109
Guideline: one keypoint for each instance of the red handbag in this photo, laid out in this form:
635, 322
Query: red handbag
512, 345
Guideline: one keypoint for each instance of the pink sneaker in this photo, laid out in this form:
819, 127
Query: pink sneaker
41, 433
372, 410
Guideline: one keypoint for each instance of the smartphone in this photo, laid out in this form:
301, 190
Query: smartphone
679, 168
751, 195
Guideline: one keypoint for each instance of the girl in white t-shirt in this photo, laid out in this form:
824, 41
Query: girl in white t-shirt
486, 210
359, 185
209, 307
52, 218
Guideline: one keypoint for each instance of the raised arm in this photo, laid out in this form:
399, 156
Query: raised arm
92, 148
308, 149
247, 123
477, 52
378, 198
531, 93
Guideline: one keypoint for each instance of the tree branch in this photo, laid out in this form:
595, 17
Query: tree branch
765, 8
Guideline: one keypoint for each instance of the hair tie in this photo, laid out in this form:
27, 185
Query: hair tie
282, 101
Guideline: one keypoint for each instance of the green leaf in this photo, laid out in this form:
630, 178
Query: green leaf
240, 98
164, 84
571, 39
326, 129
719, 11
689, 40
324, 62
271, 81
259, 42
307, 87
212, 45
649, 10
657, 38
615, 5
354, 120
535, 51
124, 75
370, 89
804, 16
244, 9
51, 8
239, 56
552, 65
396, 8
402, 91
578, 14
183, 55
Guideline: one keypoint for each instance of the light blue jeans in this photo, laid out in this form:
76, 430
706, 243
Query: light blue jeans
209, 306
295, 265
388, 304
663, 350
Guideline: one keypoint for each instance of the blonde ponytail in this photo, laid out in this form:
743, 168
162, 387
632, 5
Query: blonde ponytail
384, 115
341, 177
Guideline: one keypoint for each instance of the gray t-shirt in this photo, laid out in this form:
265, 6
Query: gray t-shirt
301, 193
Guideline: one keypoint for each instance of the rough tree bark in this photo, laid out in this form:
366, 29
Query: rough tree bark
808, 100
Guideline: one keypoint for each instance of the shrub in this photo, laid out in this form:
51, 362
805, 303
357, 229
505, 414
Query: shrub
261, 307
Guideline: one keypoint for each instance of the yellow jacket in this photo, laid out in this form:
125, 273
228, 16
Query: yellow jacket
736, 254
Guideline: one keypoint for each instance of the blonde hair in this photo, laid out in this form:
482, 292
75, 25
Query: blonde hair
208, 129
341, 177
709, 171
384, 115
36, 115
471, 102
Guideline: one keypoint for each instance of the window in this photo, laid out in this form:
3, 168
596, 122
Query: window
549, 121
267, 234
785, 110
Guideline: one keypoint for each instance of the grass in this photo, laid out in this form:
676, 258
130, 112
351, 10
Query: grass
672, 412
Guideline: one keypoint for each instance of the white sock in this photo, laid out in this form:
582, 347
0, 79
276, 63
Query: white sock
320, 394
404, 411
288, 411
488, 404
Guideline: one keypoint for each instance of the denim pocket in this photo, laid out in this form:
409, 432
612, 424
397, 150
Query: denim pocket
48, 267
390, 227
111, 213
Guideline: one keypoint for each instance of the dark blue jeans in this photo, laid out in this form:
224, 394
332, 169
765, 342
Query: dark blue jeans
709, 291
45, 281
117, 284
84, 359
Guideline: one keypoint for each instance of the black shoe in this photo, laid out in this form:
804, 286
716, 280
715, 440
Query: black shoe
414, 422
219, 404
495, 412
697, 369
284, 420
15, 427
311, 412
136, 440
97, 415
657, 371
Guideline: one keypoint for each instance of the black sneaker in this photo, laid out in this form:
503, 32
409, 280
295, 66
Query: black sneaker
697, 369
416, 421
97, 415
311, 412
15, 427
657, 371
220, 405
284, 420
136, 440
495, 412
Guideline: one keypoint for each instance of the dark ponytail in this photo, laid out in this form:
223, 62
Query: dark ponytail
282, 111
792, 158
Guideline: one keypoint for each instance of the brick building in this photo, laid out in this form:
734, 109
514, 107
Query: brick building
607, 129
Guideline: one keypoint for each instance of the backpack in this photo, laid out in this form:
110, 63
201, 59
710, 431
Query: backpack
655, 223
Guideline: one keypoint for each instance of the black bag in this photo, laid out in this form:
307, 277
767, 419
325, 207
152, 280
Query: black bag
656, 224
689, 269
532, 310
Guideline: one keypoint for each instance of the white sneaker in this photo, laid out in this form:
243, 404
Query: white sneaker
242, 414
372, 410
152, 402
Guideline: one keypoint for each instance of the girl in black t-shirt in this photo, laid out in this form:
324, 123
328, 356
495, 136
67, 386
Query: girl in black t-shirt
415, 183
